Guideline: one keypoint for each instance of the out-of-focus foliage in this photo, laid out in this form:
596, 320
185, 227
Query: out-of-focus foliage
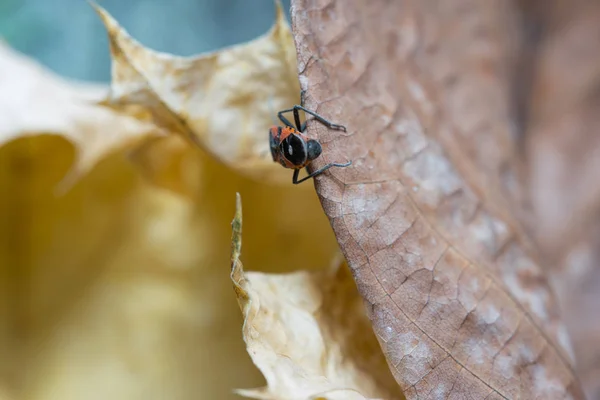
308, 333
114, 277
224, 102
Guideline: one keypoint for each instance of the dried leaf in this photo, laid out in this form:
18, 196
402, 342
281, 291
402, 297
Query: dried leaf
308, 334
426, 215
116, 289
37, 100
224, 101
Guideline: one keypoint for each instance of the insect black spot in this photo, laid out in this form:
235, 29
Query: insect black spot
294, 149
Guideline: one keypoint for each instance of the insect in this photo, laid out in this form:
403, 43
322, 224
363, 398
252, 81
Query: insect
292, 149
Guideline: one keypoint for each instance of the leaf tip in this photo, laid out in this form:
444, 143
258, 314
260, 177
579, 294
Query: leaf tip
104, 15
236, 235
238, 203
110, 24
279, 14
93, 4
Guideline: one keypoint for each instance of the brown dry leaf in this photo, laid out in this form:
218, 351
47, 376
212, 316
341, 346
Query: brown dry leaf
430, 215
36, 100
223, 101
308, 333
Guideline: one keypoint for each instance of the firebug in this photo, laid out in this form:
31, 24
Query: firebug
291, 148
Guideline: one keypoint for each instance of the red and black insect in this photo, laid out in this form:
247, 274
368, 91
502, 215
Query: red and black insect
292, 149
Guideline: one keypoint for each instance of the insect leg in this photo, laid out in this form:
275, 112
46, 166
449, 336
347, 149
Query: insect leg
302, 127
319, 118
283, 119
317, 172
296, 118
295, 178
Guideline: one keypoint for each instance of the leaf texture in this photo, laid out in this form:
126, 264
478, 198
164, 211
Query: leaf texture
223, 102
35, 100
119, 287
431, 216
308, 333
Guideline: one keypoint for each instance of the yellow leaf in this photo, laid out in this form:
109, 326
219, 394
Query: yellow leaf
308, 333
35, 100
223, 101
119, 288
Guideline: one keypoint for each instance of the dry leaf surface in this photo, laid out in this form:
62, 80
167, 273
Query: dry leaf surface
308, 334
35, 100
224, 101
429, 215
117, 287
105, 291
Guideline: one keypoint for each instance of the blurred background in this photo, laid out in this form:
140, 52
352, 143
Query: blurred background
127, 321
68, 37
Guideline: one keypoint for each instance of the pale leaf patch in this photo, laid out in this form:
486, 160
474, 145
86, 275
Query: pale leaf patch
223, 101
35, 100
116, 289
308, 333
